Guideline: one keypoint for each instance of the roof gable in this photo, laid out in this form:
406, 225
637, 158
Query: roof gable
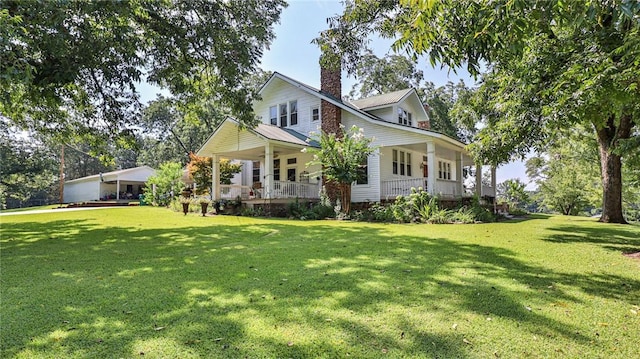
352, 108
382, 100
263, 131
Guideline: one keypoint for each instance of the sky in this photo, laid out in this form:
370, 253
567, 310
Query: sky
293, 54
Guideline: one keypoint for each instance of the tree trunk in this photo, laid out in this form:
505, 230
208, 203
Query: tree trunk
346, 197
611, 168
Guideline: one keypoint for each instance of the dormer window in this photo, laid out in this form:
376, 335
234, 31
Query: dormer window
273, 115
293, 109
283, 115
404, 117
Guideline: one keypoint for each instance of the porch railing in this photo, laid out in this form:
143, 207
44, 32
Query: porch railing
233, 191
285, 189
401, 187
488, 191
446, 189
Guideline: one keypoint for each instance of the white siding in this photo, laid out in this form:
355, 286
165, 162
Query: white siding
369, 192
388, 139
82, 191
280, 92
413, 105
387, 114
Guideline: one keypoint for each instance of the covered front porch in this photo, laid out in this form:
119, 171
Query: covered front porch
444, 171
274, 167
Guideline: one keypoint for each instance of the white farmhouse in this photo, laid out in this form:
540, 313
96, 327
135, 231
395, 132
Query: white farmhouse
409, 154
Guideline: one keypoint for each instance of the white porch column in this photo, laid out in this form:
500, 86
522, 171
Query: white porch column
431, 166
268, 170
117, 188
479, 180
493, 180
459, 186
493, 188
215, 177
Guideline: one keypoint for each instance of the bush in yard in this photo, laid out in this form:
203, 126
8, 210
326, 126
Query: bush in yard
440, 216
376, 213
343, 158
168, 184
463, 215
201, 169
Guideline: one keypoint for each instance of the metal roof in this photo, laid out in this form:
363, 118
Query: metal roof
381, 100
117, 173
284, 134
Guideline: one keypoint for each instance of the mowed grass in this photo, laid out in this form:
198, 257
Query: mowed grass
148, 282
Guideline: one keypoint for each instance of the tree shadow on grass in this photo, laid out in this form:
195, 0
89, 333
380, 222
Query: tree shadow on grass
625, 239
272, 289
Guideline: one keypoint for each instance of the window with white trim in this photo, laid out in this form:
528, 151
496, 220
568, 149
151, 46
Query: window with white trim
404, 117
276, 170
273, 115
401, 163
363, 172
444, 170
293, 113
394, 162
315, 113
283, 115
255, 173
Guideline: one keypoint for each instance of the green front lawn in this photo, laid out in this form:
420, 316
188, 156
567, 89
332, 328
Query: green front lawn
36, 208
147, 282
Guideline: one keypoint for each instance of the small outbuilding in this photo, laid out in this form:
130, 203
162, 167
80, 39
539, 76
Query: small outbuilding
127, 184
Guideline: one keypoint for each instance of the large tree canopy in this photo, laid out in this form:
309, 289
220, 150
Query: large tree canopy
551, 64
71, 67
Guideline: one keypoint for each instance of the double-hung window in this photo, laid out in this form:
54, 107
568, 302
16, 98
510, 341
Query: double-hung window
255, 173
404, 117
315, 113
283, 115
363, 172
276, 170
444, 170
395, 162
401, 163
293, 113
273, 115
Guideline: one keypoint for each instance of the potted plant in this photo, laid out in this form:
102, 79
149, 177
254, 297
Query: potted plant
186, 201
186, 192
204, 204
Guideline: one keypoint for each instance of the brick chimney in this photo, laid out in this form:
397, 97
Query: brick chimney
425, 125
331, 85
